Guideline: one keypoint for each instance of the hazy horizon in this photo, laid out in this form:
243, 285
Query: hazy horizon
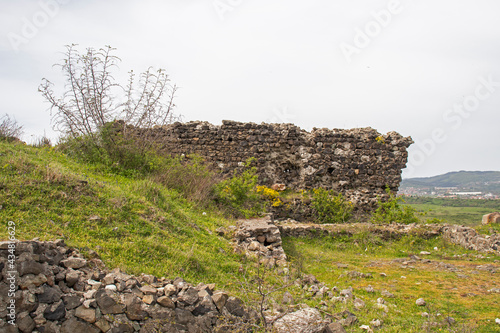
453, 171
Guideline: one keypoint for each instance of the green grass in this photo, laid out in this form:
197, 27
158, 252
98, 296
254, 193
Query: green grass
143, 227
443, 290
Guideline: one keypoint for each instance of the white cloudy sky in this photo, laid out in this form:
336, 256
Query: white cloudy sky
283, 61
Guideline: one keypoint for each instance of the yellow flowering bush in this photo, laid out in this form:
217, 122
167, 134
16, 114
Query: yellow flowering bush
271, 195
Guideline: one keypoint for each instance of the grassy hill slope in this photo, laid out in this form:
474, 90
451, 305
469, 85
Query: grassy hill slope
134, 224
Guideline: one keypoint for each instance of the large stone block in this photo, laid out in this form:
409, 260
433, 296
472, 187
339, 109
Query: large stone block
491, 218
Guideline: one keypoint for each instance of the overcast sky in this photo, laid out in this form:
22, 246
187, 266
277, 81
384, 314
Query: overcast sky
426, 69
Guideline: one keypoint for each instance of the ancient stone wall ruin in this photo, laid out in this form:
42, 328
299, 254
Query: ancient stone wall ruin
359, 163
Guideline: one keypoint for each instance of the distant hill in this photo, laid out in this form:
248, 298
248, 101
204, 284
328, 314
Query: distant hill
476, 181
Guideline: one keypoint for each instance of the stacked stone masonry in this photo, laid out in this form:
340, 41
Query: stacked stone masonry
56, 290
470, 239
260, 238
359, 163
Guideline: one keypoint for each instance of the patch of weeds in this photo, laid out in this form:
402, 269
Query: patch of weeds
488, 229
270, 195
393, 268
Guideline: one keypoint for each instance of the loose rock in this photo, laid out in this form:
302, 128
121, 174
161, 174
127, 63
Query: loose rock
420, 302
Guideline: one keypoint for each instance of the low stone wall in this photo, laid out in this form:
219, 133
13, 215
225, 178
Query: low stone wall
260, 238
460, 235
470, 239
391, 231
52, 288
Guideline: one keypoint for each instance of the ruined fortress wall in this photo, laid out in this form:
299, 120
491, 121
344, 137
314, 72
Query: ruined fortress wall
357, 162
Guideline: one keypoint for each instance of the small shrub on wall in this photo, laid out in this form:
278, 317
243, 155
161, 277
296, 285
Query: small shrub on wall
394, 211
270, 195
238, 194
330, 207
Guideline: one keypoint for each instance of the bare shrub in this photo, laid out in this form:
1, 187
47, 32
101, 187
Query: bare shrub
264, 286
92, 98
10, 129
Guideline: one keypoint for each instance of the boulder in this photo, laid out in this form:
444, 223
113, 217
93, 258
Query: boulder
334, 328
25, 323
148, 290
88, 315
29, 267
72, 302
189, 295
235, 306
307, 320
74, 325
50, 295
220, 298
278, 187
420, 302
183, 316
74, 263
109, 302
491, 218
166, 302
56, 311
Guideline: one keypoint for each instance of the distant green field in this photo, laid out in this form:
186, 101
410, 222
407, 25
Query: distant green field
454, 211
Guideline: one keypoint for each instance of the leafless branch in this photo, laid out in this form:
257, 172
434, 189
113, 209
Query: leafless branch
89, 100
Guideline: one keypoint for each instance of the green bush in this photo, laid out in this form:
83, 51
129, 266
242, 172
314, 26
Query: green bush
394, 210
109, 148
190, 176
239, 195
330, 207
84, 149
